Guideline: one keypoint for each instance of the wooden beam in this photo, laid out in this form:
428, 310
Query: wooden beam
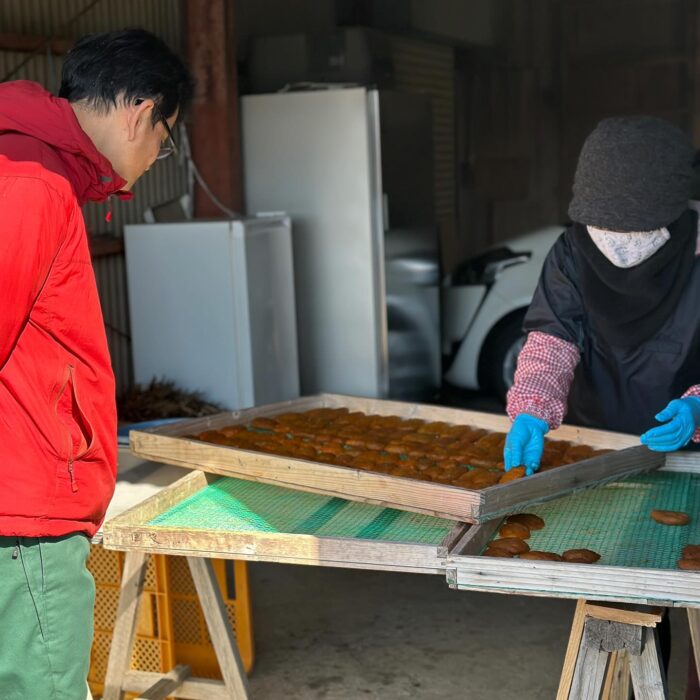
572, 649
215, 131
629, 614
647, 670
694, 625
165, 686
219, 628
591, 666
191, 688
617, 679
125, 626
31, 42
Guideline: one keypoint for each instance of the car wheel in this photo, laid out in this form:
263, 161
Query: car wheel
500, 355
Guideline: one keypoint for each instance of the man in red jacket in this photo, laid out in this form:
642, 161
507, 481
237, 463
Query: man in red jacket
120, 96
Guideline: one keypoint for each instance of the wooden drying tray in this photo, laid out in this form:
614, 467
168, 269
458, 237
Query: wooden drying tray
267, 534
639, 580
169, 444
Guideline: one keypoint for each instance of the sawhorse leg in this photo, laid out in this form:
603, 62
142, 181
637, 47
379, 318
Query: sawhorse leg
604, 640
125, 624
177, 682
694, 625
222, 638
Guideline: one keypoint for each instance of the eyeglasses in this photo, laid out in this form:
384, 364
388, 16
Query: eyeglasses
169, 147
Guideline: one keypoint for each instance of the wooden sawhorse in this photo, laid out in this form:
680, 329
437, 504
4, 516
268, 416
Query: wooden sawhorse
610, 645
177, 683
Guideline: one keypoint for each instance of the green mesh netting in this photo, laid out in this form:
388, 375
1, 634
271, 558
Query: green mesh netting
614, 520
235, 505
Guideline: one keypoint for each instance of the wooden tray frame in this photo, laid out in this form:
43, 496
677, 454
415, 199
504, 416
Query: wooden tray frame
168, 444
130, 531
667, 587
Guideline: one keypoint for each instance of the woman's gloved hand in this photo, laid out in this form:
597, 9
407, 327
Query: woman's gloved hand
683, 416
525, 443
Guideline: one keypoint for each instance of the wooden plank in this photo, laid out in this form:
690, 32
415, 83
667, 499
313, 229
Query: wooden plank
125, 624
167, 444
564, 480
564, 580
238, 417
631, 615
452, 538
191, 688
29, 43
164, 687
694, 625
220, 631
682, 462
475, 539
341, 482
609, 675
210, 43
617, 679
647, 670
622, 682
602, 439
591, 665
343, 564
163, 500
572, 649
275, 547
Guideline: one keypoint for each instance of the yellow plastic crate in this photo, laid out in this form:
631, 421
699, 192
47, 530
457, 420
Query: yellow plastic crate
171, 628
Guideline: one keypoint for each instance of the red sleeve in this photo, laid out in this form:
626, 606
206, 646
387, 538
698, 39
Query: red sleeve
543, 378
32, 222
694, 391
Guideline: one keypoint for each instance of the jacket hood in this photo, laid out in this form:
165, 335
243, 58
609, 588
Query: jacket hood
27, 108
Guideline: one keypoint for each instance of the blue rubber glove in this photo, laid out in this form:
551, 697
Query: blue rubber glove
683, 416
525, 443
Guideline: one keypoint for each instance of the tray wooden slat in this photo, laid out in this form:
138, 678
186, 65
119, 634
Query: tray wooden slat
169, 444
565, 580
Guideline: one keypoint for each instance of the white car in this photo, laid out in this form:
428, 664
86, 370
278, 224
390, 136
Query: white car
483, 305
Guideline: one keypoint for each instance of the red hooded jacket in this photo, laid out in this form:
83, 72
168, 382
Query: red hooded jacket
58, 422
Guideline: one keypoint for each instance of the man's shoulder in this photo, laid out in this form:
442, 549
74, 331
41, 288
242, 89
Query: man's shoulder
23, 156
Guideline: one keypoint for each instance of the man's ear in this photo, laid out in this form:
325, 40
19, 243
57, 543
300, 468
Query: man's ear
137, 115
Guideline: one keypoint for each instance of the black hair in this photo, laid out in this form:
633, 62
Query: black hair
127, 65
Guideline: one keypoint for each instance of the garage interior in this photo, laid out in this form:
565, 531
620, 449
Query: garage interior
492, 100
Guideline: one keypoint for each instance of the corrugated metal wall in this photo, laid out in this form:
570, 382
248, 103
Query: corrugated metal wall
164, 182
428, 69
52, 17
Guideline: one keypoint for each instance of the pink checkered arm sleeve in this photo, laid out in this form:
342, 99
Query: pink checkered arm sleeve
694, 391
543, 378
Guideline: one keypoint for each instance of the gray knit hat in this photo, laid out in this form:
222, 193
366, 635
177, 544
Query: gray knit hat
633, 174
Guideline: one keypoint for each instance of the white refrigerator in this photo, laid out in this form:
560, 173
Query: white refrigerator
212, 308
352, 167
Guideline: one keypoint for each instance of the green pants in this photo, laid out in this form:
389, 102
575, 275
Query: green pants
47, 597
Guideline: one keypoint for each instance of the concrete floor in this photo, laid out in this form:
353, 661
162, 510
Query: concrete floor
337, 634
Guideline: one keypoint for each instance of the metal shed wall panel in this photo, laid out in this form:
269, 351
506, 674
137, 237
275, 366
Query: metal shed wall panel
53, 17
428, 69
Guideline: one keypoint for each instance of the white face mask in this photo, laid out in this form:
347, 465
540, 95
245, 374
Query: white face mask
628, 249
